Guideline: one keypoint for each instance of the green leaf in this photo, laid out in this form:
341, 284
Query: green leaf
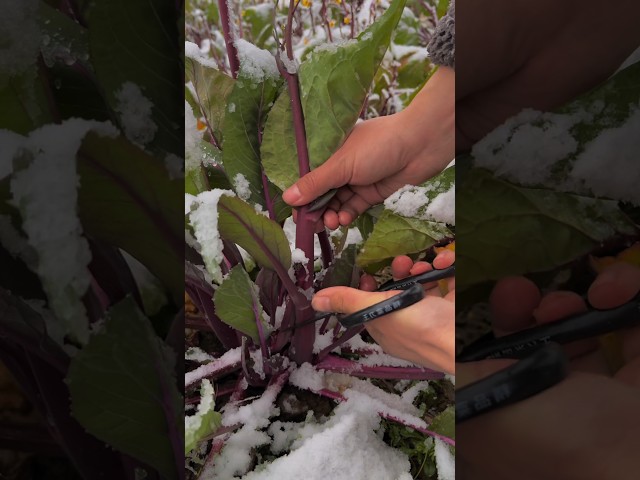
278, 149
133, 205
123, 390
237, 302
334, 83
365, 225
397, 235
247, 108
128, 40
343, 270
260, 18
504, 229
263, 238
445, 422
212, 88
22, 98
204, 422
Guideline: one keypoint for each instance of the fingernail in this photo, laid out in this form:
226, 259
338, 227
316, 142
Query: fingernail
291, 195
321, 304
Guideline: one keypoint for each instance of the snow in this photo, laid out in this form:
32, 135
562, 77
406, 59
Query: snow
410, 394
525, 147
345, 446
615, 149
242, 187
528, 148
443, 208
174, 165
229, 358
136, 114
45, 192
290, 66
445, 461
207, 403
20, 36
298, 256
307, 378
231, 107
258, 363
192, 51
235, 458
256, 64
382, 359
196, 354
192, 139
413, 202
203, 218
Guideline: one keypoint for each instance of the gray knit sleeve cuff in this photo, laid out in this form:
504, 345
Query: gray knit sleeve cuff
442, 46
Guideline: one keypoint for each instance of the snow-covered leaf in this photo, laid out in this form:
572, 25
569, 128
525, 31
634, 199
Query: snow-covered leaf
237, 302
212, 88
204, 422
123, 389
517, 230
248, 104
115, 39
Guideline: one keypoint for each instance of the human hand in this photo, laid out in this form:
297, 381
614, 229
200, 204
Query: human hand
422, 333
384, 154
563, 427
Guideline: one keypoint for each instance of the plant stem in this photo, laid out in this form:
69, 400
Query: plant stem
341, 398
229, 39
325, 247
303, 339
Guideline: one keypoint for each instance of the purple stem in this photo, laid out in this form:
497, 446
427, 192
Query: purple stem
303, 339
337, 364
347, 335
340, 398
325, 247
298, 298
229, 41
263, 341
224, 332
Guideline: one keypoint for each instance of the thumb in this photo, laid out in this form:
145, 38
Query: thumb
315, 183
347, 300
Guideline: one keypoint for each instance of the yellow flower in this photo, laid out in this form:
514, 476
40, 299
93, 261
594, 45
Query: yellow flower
347, 20
306, 3
338, 2
305, 40
200, 125
332, 23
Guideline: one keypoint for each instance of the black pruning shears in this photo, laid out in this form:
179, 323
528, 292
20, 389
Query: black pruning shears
412, 293
543, 362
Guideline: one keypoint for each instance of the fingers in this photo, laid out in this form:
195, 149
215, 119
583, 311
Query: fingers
557, 305
368, 283
347, 300
444, 259
401, 267
331, 174
617, 284
512, 303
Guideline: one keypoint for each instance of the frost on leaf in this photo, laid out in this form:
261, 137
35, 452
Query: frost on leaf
45, 192
204, 422
203, 218
135, 112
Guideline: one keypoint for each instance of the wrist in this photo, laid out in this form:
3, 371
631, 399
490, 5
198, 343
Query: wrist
427, 126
